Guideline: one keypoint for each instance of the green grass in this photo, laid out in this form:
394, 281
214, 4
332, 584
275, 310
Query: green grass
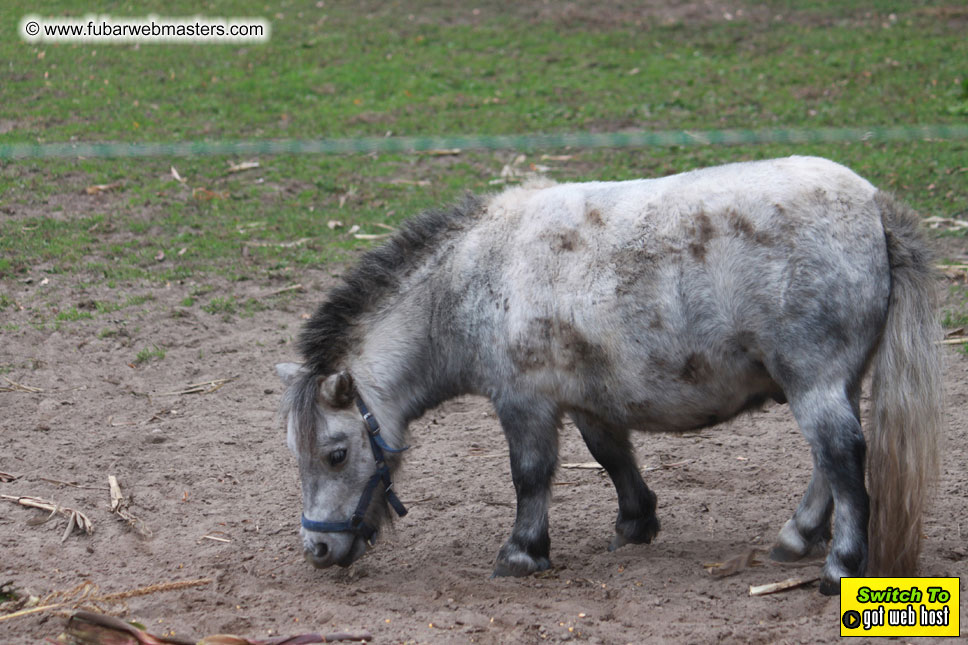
7, 592
73, 314
342, 71
225, 306
149, 354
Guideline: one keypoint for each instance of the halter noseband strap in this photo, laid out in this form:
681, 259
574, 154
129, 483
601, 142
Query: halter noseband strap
357, 523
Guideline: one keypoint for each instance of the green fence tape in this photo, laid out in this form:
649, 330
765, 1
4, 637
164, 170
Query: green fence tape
486, 142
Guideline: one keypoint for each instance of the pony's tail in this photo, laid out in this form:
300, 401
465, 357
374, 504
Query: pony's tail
906, 392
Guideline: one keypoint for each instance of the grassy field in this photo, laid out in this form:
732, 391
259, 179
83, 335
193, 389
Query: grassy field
336, 69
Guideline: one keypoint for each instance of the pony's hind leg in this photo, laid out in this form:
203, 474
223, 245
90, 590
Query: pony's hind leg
809, 528
636, 522
829, 422
531, 429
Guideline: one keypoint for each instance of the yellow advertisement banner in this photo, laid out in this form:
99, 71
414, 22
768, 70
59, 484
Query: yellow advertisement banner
899, 607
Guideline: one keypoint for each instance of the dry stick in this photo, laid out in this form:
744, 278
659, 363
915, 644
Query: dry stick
72, 484
774, 587
117, 507
585, 465
343, 636
19, 387
675, 464
282, 245
292, 287
6, 478
205, 387
85, 590
75, 518
411, 502
214, 538
953, 341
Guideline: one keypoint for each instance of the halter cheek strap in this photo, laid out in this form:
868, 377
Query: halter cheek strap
357, 523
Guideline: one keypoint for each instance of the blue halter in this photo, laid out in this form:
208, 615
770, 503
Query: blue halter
357, 523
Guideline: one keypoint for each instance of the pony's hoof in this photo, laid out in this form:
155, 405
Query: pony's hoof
780, 553
617, 542
829, 587
637, 531
502, 570
783, 553
512, 561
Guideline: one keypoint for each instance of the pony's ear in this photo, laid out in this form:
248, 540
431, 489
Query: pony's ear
287, 372
336, 390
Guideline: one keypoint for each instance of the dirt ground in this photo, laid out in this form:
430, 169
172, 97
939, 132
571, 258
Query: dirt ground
209, 475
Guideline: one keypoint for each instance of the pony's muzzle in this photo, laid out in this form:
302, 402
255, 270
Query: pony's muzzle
323, 550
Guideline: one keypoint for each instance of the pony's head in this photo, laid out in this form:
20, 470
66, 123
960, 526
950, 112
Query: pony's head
344, 466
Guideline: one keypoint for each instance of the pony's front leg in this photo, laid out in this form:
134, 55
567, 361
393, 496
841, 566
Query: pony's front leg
636, 522
531, 428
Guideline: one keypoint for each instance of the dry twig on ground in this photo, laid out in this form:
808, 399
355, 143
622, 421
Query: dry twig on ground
205, 387
774, 587
88, 594
119, 508
18, 387
75, 518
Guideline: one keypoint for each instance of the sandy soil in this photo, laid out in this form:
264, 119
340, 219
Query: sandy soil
214, 465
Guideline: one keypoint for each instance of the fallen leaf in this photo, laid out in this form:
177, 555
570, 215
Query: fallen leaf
733, 565
410, 182
97, 189
178, 178
245, 165
205, 194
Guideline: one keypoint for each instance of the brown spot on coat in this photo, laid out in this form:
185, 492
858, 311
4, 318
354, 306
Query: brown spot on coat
594, 217
702, 232
740, 225
696, 369
552, 343
568, 240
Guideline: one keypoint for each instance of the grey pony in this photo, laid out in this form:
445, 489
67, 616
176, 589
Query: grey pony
666, 304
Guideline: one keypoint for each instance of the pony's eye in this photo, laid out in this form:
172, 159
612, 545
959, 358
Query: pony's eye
337, 456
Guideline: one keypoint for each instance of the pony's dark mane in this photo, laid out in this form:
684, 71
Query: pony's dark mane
327, 336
